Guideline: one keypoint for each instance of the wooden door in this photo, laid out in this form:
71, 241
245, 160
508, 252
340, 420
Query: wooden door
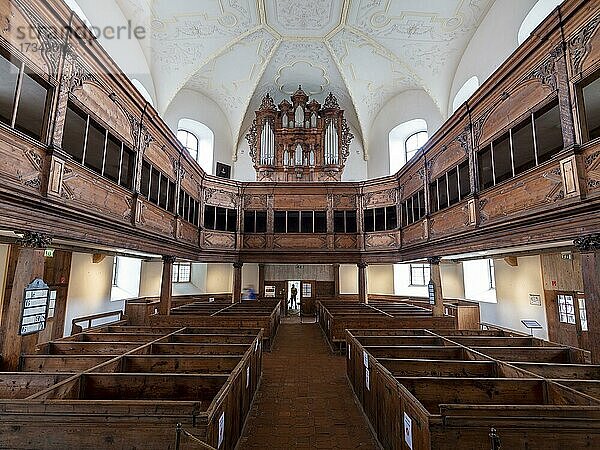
307, 298
567, 318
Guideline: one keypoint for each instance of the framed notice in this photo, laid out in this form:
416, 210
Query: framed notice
535, 299
431, 293
221, 429
269, 291
247, 377
367, 380
408, 431
34, 313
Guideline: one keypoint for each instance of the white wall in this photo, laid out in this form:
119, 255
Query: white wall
408, 105
150, 278
128, 278
477, 281
513, 286
193, 105
493, 42
452, 280
349, 279
89, 288
380, 279
219, 278
402, 284
249, 276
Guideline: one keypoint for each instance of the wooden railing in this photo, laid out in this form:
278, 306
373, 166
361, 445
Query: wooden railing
77, 323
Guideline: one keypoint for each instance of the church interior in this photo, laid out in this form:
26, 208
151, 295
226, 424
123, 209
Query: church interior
300, 224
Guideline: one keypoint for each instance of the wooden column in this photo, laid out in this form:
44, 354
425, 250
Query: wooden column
28, 260
166, 286
590, 270
336, 280
261, 281
363, 296
436, 279
237, 282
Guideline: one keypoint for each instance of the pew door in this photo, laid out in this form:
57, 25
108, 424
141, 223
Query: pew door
307, 299
567, 318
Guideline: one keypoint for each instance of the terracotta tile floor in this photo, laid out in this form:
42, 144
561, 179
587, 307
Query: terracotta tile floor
304, 401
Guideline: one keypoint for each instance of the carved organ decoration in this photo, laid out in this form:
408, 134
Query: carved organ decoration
299, 141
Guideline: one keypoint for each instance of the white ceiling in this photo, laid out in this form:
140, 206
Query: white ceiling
365, 51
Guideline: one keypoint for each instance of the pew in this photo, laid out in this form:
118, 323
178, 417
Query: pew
446, 389
128, 387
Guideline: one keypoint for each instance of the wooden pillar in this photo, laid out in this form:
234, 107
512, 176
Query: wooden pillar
363, 296
28, 258
237, 282
261, 281
336, 280
166, 286
436, 279
590, 270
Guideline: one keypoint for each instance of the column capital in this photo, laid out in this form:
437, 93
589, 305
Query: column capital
168, 259
238, 265
362, 265
589, 243
434, 259
31, 239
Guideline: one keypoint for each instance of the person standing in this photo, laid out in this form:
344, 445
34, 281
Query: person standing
293, 295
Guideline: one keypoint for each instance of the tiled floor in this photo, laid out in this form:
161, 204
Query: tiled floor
304, 401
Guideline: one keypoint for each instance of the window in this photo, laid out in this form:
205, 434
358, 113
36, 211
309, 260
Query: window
533, 141
590, 111
23, 98
300, 222
255, 221
190, 142
582, 313
306, 290
199, 141
189, 208
413, 208
450, 188
397, 140
220, 219
142, 89
465, 92
157, 187
566, 309
344, 221
99, 150
420, 274
182, 272
381, 219
491, 274
414, 143
536, 15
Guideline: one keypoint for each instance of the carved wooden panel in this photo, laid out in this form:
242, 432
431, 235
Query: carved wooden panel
300, 241
160, 158
449, 221
387, 240
97, 101
412, 181
255, 201
509, 108
413, 234
13, 20
220, 197
583, 44
187, 232
346, 241
255, 241
448, 155
155, 219
308, 202
19, 164
344, 201
380, 198
540, 189
591, 160
217, 240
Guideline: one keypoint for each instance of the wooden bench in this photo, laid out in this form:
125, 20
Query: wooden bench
106, 389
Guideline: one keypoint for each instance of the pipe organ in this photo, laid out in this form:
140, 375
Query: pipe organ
299, 141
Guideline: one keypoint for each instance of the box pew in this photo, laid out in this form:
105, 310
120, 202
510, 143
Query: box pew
534, 354
453, 402
133, 395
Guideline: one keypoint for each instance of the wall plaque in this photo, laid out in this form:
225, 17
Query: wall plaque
35, 308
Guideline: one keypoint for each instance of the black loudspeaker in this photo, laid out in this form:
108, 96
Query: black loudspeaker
223, 170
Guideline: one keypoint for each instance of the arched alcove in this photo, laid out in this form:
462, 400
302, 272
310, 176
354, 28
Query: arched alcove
465, 92
536, 15
413, 133
201, 148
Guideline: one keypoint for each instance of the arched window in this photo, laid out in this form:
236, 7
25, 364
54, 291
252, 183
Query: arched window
200, 144
140, 87
190, 142
414, 143
400, 136
465, 92
538, 13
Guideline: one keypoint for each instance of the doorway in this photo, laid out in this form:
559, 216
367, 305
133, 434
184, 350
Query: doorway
293, 298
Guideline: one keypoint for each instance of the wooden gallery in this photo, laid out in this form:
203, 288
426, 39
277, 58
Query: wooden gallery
300, 224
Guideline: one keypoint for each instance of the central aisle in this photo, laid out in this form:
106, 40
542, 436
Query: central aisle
304, 400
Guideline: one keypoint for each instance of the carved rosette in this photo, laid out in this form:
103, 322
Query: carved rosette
590, 243
32, 239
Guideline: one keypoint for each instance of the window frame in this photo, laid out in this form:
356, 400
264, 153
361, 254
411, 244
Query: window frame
227, 214
424, 268
189, 133
413, 152
374, 212
176, 274
491, 273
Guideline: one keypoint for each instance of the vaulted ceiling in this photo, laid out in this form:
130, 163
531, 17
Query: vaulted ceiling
365, 51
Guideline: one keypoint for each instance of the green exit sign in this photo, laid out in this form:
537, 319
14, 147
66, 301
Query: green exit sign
49, 253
